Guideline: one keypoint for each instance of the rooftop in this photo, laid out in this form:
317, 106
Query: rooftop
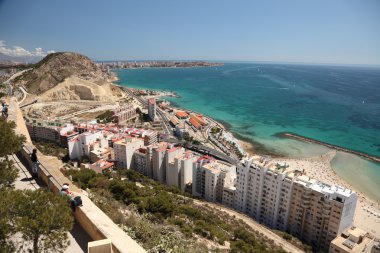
181, 114
354, 240
216, 167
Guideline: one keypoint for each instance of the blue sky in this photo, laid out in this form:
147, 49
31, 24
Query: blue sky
320, 31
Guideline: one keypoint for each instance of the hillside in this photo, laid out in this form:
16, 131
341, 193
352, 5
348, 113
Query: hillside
67, 76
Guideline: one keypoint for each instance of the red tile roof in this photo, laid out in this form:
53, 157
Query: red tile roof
194, 122
181, 114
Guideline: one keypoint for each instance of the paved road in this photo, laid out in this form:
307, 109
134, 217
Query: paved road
163, 119
78, 237
7, 82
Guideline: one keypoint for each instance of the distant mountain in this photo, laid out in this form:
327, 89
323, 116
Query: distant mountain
67, 76
18, 59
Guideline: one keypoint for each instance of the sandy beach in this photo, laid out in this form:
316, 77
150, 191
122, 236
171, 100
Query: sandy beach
367, 214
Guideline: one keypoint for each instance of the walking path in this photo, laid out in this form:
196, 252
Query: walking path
77, 236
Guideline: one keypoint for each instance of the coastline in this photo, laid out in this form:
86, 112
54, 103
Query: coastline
328, 145
367, 215
171, 67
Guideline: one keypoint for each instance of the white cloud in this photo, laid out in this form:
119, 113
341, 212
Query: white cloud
19, 51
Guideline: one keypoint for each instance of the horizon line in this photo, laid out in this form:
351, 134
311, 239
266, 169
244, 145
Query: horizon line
250, 61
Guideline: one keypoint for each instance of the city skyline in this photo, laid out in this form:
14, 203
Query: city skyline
339, 32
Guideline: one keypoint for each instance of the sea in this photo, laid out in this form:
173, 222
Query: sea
339, 105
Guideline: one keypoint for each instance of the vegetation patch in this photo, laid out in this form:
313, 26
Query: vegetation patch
105, 117
52, 149
163, 219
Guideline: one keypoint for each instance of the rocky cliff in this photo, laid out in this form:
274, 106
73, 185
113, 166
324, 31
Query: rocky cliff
68, 76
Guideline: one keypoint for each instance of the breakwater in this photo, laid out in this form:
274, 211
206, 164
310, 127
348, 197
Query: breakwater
311, 140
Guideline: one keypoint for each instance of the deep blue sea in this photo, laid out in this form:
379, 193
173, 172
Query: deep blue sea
335, 104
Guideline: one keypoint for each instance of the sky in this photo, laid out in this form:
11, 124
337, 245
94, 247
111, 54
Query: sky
313, 31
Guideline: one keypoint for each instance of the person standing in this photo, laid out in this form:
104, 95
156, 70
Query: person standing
34, 159
4, 111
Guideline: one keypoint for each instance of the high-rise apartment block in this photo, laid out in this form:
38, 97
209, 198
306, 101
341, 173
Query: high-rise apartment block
209, 176
283, 198
319, 212
124, 150
159, 161
152, 109
179, 166
142, 161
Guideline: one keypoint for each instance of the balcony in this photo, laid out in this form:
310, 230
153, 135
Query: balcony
326, 205
326, 213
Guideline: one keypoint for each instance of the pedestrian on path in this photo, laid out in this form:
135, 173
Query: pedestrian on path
4, 111
35, 164
72, 200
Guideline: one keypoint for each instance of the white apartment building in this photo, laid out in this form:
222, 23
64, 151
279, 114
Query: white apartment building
263, 192
229, 191
124, 150
283, 198
142, 160
159, 161
209, 176
173, 166
186, 172
150, 137
319, 212
179, 166
81, 144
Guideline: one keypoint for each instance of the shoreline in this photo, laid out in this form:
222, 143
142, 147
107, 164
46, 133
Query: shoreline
367, 214
328, 145
216, 65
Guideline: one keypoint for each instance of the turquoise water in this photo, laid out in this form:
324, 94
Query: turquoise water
338, 105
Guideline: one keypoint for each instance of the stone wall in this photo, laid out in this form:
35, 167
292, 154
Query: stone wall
93, 220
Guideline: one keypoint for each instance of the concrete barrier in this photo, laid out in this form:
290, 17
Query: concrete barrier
101, 246
93, 220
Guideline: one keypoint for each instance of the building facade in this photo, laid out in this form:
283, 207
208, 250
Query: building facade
142, 158
80, 145
285, 199
159, 161
355, 240
124, 113
209, 177
152, 109
124, 150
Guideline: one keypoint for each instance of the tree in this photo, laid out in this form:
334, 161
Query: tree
2, 89
43, 218
7, 226
10, 143
8, 174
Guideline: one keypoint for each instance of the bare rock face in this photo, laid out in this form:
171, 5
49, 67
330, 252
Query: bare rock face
74, 88
67, 76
